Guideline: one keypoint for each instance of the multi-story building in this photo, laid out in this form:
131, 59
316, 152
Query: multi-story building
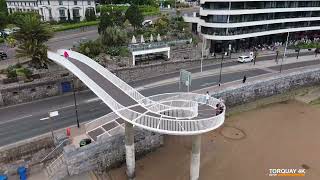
56, 10
245, 24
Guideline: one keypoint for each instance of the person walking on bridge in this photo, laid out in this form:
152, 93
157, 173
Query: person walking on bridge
207, 97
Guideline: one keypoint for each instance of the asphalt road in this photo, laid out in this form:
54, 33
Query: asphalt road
23, 121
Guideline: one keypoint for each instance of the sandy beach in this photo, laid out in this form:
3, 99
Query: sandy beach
283, 135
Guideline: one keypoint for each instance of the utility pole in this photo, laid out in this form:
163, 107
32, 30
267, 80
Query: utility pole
284, 53
75, 102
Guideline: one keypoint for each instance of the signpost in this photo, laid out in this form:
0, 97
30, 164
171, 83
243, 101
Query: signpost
185, 78
51, 115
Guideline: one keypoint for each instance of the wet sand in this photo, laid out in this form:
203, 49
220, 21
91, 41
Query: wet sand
283, 135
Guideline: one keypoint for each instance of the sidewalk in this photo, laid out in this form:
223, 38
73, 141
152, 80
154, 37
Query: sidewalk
236, 68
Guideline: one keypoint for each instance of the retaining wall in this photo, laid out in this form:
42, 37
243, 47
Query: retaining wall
106, 153
51, 86
266, 87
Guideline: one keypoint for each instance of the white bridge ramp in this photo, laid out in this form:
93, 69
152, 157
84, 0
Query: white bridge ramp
171, 113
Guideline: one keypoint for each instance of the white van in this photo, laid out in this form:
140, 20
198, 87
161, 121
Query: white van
244, 59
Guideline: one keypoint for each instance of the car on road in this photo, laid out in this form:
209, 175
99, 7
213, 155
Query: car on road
3, 55
244, 59
147, 22
3, 34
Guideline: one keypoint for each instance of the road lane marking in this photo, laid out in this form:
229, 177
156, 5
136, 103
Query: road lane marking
92, 100
46, 118
208, 84
16, 119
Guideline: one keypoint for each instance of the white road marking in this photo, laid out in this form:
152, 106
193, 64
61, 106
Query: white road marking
92, 100
208, 84
46, 118
26, 116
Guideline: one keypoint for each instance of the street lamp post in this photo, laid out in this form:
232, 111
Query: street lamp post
75, 102
223, 54
202, 52
284, 53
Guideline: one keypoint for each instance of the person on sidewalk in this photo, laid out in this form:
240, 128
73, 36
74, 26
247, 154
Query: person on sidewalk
244, 79
207, 97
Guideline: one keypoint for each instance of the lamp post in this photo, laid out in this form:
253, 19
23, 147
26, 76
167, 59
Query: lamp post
75, 102
284, 53
66, 55
223, 54
202, 52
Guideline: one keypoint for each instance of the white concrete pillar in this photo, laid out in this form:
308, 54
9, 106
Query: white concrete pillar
195, 157
130, 153
133, 60
169, 54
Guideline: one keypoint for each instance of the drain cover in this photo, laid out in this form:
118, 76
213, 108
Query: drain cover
232, 133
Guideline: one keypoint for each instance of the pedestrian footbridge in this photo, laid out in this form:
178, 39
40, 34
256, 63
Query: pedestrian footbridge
171, 113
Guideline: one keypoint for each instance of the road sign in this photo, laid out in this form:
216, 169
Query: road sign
185, 78
53, 114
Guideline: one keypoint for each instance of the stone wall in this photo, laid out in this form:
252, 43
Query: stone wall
51, 86
25, 92
25, 149
106, 153
131, 74
270, 86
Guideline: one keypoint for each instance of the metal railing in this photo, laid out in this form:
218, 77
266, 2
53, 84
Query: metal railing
133, 93
55, 165
57, 150
162, 124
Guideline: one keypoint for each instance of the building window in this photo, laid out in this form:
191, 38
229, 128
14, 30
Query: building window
48, 2
60, 2
62, 13
50, 14
75, 2
89, 3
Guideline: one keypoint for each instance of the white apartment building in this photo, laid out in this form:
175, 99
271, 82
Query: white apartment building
246, 24
56, 10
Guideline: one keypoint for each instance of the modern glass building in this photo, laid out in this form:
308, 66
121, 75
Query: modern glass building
247, 24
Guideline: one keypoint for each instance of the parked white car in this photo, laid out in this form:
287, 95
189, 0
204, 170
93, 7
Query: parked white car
147, 22
244, 59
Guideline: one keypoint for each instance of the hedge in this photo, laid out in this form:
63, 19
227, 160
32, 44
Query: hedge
67, 26
145, 9
1, 40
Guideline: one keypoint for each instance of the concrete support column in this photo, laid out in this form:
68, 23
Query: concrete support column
133, 60
195, 157
130, 156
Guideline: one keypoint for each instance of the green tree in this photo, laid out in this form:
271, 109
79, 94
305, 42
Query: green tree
3, 14
32, 37
114, 36
134, 15
105, 21
162, 25
90, 14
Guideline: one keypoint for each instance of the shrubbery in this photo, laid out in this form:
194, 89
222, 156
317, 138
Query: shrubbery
311, 45
14, 71
146, 10
67, 26
90, 48
90, 15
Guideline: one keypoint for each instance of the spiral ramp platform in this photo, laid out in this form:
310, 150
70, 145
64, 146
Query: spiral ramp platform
177, 113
